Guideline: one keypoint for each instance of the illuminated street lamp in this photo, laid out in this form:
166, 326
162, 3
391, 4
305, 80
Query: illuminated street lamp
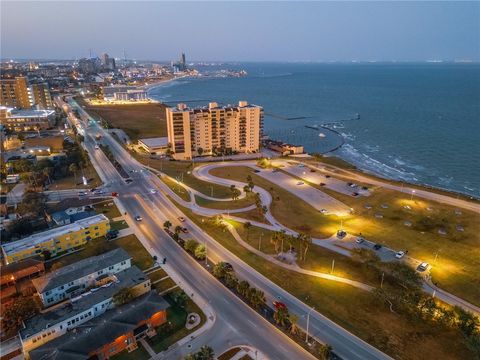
411, 197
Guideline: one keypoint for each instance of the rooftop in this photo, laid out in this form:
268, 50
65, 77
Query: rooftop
36, 239
101, 330
126, 278
213, 106
30, 113
79, 269
155, 142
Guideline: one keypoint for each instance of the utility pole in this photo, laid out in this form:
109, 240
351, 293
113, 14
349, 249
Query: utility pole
333, 266
381, 283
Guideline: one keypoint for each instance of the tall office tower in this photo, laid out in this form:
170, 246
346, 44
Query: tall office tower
104, 58
183, 61
214, 129
41, 96
15, 93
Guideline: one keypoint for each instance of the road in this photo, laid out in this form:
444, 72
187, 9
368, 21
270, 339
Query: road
235, 322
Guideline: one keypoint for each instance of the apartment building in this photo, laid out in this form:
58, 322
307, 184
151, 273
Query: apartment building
49, 325
26, 120
109, 334
214, 129
15, 93
57, 240
72, 280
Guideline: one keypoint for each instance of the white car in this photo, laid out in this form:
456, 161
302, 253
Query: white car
153, 191
97, 147
359, 240
138, 218
400, 254
181, 218
323, 211
423, 266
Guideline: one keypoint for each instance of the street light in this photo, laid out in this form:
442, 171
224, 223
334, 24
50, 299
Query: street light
411, 197
308, 323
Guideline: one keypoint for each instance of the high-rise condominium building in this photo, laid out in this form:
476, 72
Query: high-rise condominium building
214, 129
15, 93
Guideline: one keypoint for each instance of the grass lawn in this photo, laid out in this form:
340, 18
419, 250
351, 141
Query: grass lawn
177, 188
458, 260
164, 285
139, 354
106, 209
70, 182
157, 275
251, 215
137, 120
175, 169
227, 355
354, 309
118, 225
129, 243
223, 205
174, 330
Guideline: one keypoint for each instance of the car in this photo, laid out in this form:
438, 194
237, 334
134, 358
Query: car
354, 194
114, 194
423, 266
327, 176
323, 211
400, 254
301, 165
93, 189
82, 193
138, 218
377, 246
97, 147
322, 184
256, 171
341, 234
300, 183
352, 185
99, 192
313, 170
153, 191
359, 240
184, 230
128, 181
181, 218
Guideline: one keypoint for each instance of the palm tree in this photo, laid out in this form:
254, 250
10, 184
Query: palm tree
325, 351
242, 287
205, 353
274, 239
281, 316
256, 297
178, 229
307, 241
293, 324
247, 227
246, 188
167, 224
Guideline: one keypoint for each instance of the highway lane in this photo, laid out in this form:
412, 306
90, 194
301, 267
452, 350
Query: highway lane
344, 343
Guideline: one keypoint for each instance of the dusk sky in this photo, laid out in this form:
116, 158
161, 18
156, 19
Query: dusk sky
243, 31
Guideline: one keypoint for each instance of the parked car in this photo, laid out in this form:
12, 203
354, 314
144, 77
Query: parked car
181, 218
300, 183
184, 230
322, 184
279, 305
400, 254
359, 240
138, 218
97, 147
377, 246
423, 266
341, 234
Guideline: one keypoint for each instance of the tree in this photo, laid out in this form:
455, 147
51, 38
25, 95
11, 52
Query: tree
200, 151
221, 269
230, 280
247, 225
178, 229
325, 351
281, 316
205, 353
167, 224
242, 287
33, 203
466, 321
123, 296
256, 297
73, 169
246, 189
201, 252
180, 297
473, 344
366, 256
190, 246
293, 324
304, 241
20, 309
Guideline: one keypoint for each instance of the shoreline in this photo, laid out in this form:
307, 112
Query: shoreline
362, 169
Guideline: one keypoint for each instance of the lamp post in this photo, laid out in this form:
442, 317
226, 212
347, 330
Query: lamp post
333, 266
308, 323
411, 197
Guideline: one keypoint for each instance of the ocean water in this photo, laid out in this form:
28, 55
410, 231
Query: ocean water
418, 122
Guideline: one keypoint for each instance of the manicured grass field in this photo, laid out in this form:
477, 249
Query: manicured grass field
355, 310
223, 205
138, 121
164, 285
129, 243
157, 275
139, 354
118, 225
177, 188
106, 209
70, 182
458, 259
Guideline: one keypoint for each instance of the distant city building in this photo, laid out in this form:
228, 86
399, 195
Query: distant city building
26, 120
154, 145
180, 65
214, 129
107, 62
89, 66
72, 280
109, 334
124, 93
57, 240
53, 323
15, 93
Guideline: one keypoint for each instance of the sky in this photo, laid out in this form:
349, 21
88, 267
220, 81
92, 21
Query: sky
242, 31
